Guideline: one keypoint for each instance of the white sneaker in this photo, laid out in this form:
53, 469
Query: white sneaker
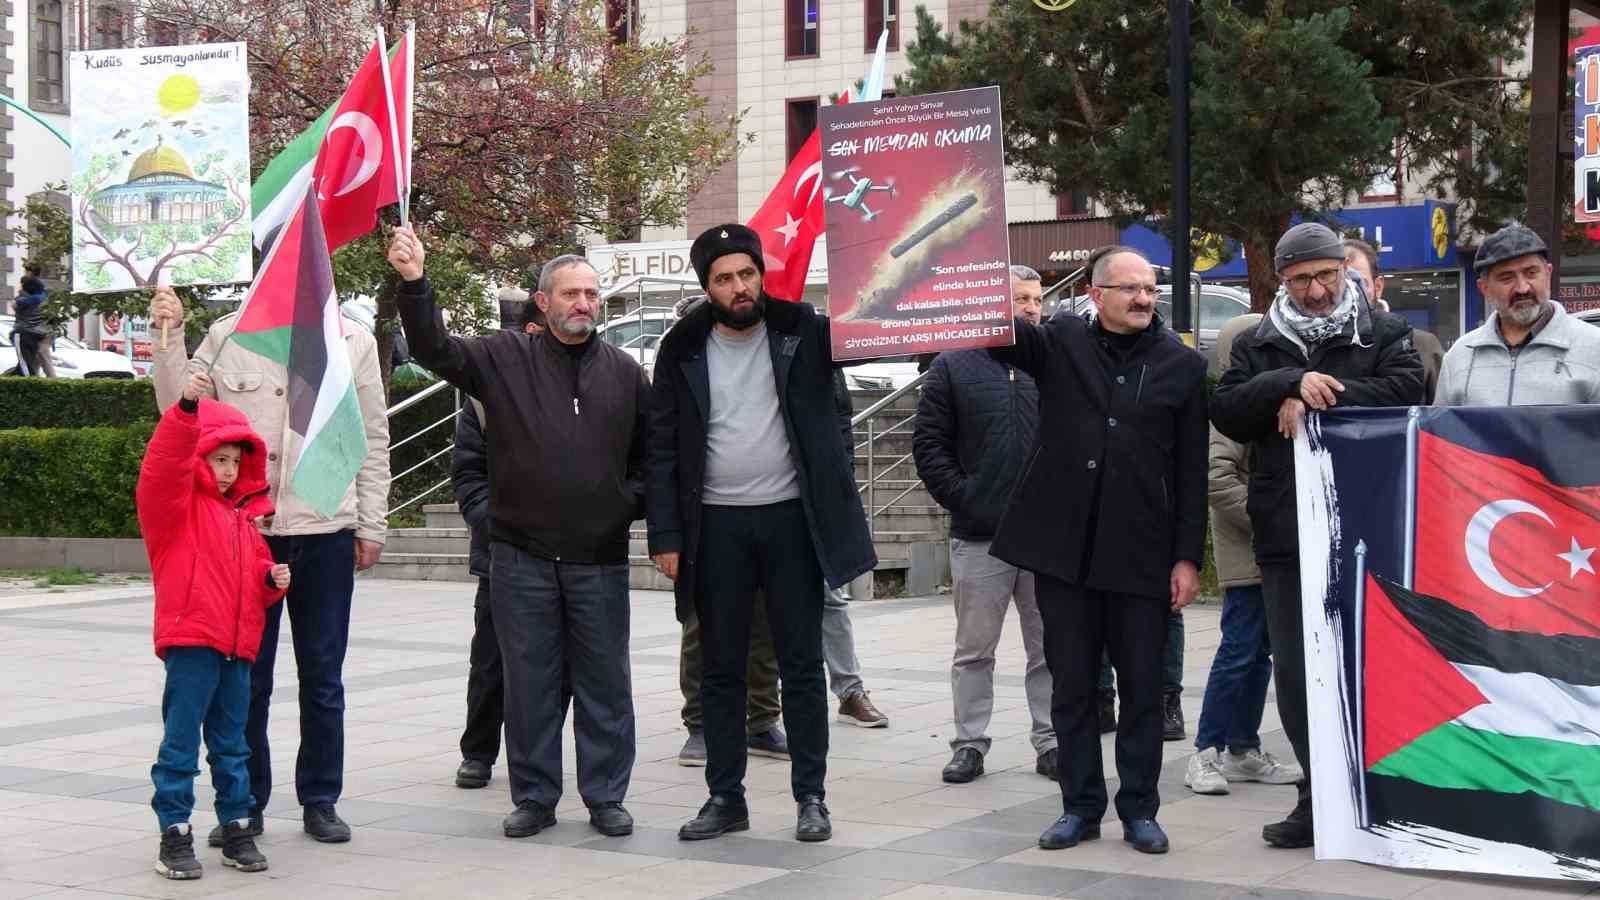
1258, 765
1204, 776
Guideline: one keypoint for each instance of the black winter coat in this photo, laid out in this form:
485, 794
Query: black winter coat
469, 480
565, 437
676, 458
976, 424
1115, 491
1264, 368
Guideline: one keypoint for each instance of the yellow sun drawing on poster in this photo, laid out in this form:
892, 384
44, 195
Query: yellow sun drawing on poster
178, 94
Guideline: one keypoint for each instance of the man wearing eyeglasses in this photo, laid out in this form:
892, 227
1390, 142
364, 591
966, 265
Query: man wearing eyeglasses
1110, 516
1321, 344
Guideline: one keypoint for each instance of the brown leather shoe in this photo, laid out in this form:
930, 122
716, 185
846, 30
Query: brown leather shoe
857, 709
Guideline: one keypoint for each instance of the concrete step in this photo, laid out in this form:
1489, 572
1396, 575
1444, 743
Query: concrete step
447, 541
443, 515
642, 574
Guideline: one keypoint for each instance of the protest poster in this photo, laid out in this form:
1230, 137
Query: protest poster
127, 336
1452, 641
160, 167
918, 250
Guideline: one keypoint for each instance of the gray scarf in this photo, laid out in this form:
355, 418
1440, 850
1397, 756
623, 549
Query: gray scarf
1313, 330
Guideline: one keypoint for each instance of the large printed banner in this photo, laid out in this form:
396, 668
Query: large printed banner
160, 167
918, 250
1452, 631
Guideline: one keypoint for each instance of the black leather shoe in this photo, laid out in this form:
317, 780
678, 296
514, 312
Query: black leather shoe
610, 819
218, 835
528, 819
1108, 713
323, 824
1046, 764
1172, 717
472, 774
966, 765
812, 824
1068, 831
1292, 833
1145, 836
720, 815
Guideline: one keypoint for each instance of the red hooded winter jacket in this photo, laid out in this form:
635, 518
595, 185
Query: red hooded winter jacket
209, 562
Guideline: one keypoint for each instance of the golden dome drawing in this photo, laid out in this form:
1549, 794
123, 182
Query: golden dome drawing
160, 160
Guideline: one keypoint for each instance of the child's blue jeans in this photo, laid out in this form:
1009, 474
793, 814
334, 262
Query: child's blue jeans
207, 693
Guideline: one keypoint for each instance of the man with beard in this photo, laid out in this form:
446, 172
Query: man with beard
750, 491
1109, 515
565, 416
1320, 344
1529, 350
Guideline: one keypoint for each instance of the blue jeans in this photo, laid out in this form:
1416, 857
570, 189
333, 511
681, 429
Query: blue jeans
1171, 660
1236, 691
206, 693
324, 570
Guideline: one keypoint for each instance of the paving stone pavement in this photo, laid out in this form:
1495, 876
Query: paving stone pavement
80, 723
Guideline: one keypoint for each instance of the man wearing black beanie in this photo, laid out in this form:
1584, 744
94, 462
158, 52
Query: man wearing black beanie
749, 491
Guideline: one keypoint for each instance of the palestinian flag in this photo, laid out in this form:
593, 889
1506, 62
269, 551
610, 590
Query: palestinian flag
1480, 729
347, 154
291, 317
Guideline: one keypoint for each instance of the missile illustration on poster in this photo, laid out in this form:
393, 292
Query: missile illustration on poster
918, 260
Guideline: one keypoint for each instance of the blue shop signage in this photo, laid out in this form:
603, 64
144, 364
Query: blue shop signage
1407, 237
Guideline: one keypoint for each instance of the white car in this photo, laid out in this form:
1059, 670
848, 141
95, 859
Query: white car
638, 333
72, 359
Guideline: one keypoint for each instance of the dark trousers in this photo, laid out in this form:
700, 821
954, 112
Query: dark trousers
557, 620
1280, 596
206, 694
1236, 690
318, 602
1078, 622
1171, 660
745, 550
761, 675
486, 686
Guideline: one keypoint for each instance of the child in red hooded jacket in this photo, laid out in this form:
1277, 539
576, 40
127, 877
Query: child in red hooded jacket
202, 487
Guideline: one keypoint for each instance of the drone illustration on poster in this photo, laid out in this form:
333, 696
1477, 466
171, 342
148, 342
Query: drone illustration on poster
856, 198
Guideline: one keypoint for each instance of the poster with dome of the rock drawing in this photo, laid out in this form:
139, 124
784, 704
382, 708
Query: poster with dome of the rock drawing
160, 167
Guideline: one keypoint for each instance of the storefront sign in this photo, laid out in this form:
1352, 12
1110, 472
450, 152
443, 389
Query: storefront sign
1586, 114
128, 337
618, 262
1579, 297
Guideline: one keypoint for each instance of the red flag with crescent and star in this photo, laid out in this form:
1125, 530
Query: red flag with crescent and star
790, 221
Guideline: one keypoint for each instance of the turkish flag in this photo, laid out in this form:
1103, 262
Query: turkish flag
1500, 540
355, 171
789, 222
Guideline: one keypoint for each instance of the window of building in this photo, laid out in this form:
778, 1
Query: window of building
622, 20
47, 78
883, 15
109, 28
1074, 204
800, 120
800, 27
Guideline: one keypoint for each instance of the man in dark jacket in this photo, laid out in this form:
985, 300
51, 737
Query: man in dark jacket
975, 427
1320, 344
469, 479
564, 415
1110, 516
749, 490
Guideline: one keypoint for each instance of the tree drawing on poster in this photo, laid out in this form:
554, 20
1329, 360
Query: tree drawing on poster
160, 167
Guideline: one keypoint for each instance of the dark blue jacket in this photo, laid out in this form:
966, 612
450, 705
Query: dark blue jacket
469, 479
976, 425
675, 461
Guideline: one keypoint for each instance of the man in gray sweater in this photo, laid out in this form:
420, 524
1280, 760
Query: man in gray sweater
1529, 351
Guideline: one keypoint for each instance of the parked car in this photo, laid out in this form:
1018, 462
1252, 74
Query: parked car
72, 359
638, 333
1592, 316
1218, 304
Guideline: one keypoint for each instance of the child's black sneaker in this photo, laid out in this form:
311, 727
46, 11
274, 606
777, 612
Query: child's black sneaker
177, 860
219, 834
239, 848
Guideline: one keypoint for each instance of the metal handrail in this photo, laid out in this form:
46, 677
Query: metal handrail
401, 407
420, 496
873, 475
420, 432
416, 398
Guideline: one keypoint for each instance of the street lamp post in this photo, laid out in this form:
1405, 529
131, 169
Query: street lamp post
1178, 87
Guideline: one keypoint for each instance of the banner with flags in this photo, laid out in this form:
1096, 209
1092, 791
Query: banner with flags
347, 154
1452, 632
291, 317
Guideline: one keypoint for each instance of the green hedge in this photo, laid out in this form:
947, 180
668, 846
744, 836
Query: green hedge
71, 482
66, 403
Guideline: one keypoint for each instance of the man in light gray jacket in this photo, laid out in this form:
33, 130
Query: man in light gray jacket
1529, 351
